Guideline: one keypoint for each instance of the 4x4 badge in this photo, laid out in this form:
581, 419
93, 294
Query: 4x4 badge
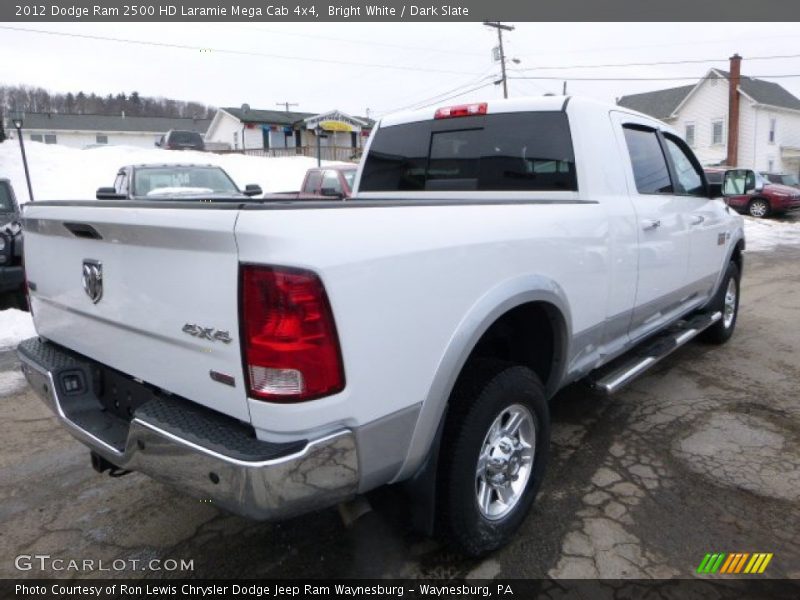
207, 333
93, 279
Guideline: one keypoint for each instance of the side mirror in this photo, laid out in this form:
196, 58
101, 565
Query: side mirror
329, 192
109, 193
253, 189
738, 182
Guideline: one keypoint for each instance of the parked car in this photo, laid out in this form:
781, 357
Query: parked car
277, 358
758, 197
12, 275
322, 183
782, 179
176, 139
170, 182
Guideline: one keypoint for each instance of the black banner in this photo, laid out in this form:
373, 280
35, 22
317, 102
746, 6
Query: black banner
32, 11
385, 589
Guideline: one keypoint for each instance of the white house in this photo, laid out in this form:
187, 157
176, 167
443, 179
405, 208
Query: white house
764, 137
278, 133
80, 131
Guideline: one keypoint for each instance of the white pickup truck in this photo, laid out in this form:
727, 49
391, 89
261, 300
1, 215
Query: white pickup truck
280, 357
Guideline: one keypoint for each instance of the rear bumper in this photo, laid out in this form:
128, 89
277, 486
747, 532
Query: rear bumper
11, 278
206, 454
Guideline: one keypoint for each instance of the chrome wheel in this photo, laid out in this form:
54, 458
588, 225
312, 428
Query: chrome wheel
505, 462
759, 208
729, 307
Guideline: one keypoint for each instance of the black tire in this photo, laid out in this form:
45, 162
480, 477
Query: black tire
721, 331
484, 391
759, 208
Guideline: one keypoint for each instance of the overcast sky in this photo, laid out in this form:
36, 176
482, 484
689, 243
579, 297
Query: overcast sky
349, 65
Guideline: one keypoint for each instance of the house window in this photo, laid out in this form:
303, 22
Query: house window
101, 138
773, 122
36, 137
690, 134
771, 165
50, 138
716, 132
235, 140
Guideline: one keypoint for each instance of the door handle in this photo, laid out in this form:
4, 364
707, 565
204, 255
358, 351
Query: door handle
697, 219
650, 224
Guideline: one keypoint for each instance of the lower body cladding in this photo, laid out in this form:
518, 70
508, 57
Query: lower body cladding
209, 455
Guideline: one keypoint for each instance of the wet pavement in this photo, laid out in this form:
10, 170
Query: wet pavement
700, 455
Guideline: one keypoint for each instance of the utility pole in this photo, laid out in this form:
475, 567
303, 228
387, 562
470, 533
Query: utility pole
564, 92
500, 28
287, 104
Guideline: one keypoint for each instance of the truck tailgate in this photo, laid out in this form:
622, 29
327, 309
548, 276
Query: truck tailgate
168, 309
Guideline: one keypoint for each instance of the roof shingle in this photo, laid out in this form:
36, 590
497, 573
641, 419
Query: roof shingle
103, 123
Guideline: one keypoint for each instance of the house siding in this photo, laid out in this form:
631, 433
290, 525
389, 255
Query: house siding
708, 103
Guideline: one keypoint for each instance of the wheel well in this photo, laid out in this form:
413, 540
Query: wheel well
530, 334
736, 257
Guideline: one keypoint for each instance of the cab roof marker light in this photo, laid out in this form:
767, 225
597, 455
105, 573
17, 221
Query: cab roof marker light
461, 110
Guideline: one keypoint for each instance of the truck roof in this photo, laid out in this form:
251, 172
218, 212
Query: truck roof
523, 104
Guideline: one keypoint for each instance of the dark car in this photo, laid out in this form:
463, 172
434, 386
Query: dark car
782, 179
12, 275
176, 139
175, 182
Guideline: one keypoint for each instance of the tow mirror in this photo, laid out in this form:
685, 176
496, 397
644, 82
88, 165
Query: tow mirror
109, 193
252, 189
738, 182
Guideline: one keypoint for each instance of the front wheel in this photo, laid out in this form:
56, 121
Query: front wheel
493, 454
726, 302
759, 208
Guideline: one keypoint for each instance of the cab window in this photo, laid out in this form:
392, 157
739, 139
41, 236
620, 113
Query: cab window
687, 172
330, 180
649, 164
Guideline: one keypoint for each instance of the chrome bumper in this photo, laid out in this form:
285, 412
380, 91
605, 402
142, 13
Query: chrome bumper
319, 474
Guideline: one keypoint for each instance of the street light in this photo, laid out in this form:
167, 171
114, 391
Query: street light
17, 118
318, 133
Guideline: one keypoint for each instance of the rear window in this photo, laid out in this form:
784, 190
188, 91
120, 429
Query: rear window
501, 152
5, 199
185, 137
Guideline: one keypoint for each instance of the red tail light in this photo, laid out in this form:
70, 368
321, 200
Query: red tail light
291, 349
462, 110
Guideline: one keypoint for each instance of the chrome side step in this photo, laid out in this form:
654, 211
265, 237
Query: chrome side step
613, 377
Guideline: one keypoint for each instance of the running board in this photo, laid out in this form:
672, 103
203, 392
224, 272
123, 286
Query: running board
616, 375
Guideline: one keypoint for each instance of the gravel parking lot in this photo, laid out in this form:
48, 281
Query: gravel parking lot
700, 455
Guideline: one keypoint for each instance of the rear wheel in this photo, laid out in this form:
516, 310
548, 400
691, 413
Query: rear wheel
726, 302
493, 454
758, 208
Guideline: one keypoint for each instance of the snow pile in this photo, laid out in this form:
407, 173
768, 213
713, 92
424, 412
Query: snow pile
15, 326
765, 234
61, 173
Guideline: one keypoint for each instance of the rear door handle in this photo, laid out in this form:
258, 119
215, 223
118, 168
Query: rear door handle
697, 219
650, 224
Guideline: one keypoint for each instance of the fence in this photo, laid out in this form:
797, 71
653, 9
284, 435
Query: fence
337, 153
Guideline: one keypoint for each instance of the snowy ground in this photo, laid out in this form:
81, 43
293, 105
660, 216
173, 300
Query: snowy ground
15, 326
765, 234
60, 173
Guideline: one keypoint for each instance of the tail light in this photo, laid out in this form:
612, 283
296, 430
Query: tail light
291, 349
462, 110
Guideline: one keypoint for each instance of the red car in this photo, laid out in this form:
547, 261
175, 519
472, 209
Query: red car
764, 198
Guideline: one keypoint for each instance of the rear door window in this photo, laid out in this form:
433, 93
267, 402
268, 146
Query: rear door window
648, 161
496, 152
313, 180
5, 198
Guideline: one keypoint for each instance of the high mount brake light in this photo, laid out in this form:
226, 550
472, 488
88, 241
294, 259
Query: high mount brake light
462, 110
289, 339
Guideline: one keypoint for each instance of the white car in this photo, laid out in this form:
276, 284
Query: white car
283, 357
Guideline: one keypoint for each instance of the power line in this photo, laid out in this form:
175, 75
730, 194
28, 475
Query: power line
480, 87
436, 97
651, 64
694, 78
232, 52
